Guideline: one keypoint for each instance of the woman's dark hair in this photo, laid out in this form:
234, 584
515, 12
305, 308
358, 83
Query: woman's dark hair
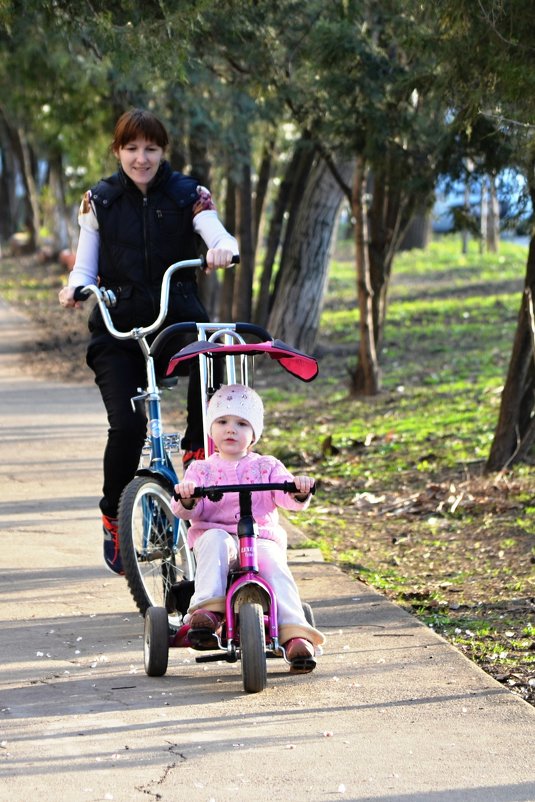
138, 122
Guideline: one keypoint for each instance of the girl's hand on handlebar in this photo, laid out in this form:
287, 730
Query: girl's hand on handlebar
218, 257
304, 485
185, 490
66, 298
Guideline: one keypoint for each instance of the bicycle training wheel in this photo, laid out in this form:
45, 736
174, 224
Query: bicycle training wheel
156, 642
253, 647
153, 546
309, 614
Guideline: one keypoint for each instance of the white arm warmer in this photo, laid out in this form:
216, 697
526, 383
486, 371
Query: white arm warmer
85, 270
213, 232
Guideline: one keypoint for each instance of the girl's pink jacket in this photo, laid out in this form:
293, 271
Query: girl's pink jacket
224, 514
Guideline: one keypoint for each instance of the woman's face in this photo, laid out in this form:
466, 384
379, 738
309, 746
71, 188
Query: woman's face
140, 160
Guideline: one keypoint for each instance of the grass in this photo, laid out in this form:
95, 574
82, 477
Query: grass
404, 504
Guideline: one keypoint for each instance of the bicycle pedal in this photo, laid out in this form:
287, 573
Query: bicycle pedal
202, 638
302, 665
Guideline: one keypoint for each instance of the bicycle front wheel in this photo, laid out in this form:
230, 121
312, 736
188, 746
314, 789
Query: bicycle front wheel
153, 546
253, 647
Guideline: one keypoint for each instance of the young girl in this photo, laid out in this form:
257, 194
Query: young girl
235, 422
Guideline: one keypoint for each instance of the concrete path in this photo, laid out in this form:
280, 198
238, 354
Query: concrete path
392, 713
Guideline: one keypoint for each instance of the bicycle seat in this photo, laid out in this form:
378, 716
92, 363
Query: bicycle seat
166, 344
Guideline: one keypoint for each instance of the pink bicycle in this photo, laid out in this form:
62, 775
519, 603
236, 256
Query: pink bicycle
249, 631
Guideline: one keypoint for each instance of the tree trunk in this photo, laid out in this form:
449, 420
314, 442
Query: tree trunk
60, 212
226, 293
493, 230
8, 179
33, 222
200, 164
243, 295
22, 151
417, 233
366, 378
513, 437
379, 231
297, 306
289, 197
262, 188
389, 215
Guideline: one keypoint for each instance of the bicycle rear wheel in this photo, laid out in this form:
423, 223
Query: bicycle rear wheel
153, 546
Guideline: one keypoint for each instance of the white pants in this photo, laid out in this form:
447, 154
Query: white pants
216, 552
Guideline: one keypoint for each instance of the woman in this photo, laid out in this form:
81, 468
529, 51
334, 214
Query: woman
133, 225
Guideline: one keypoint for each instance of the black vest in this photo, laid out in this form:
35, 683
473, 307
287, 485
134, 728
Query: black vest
140, 236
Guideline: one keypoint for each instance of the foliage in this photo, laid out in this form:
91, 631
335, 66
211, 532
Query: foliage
403, 502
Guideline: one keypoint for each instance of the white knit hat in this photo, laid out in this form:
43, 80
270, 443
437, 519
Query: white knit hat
239, 400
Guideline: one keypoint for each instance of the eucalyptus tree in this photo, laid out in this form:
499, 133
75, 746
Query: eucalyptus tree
357, 85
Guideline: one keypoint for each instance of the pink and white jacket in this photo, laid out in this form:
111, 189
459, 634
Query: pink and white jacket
224, 514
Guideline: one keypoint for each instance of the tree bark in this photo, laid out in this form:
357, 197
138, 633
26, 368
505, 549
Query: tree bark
243, 294
61, 232
417, 233
226, 293
366, 378
389, 215
262, 188
22, 151
493, 220
8, 178
288, 200
296, 311
513, 437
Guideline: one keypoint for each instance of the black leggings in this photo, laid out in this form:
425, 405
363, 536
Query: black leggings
119, 369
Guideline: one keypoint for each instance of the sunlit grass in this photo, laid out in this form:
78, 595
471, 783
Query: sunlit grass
449, 330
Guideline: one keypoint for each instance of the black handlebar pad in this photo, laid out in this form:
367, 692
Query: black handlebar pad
80, 295
234, 261
216, 492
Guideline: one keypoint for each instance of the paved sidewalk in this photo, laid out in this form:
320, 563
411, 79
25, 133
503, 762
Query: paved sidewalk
392, 713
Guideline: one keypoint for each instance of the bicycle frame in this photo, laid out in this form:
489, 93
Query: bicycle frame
151, 396
246, 577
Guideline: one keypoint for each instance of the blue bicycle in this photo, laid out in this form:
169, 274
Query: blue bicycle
153, 543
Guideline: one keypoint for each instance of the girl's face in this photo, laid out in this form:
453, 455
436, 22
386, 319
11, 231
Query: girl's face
140, 160
232, 436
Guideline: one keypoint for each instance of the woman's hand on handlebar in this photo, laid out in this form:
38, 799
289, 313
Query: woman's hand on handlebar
304, 486
185, 490
66, 298
218, 257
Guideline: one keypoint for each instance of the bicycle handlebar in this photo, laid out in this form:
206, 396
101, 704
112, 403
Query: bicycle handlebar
106, 298
216, 492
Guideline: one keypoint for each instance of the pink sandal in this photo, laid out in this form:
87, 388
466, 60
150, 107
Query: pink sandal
205, 619
300, 655
203, 625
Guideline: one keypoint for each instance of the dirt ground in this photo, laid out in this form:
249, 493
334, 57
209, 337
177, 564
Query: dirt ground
472, 585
